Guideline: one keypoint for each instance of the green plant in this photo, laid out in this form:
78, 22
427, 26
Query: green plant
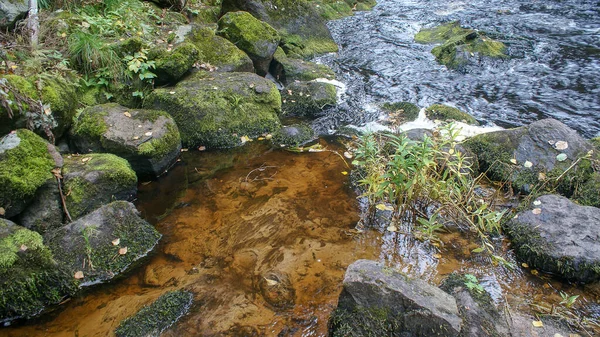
89, 53
88, 233
567, 300
428, 182
473, 284
138, 64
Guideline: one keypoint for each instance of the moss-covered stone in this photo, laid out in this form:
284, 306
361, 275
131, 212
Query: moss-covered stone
89, 244
308, 98
30, 279
588, 192
25, 165
148, 139
93, 180
155, 318
459, 44
293, 135
447, 113
219, 52
403, 111
172, 65
217, 109
303, 48
596, 143
288, 70
258, 39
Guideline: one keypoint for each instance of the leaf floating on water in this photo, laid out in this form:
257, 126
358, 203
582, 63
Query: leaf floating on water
561, 157
127, 114
78, 275
525, 265
116, 242
514, 161
392, 228
536, 211
537, 324
528, 164
384, 207
561, 145
123, 251
537, 202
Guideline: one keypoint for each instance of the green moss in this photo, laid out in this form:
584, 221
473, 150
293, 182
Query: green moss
406, 111
11, 245
215, 110
24, 168
288, 69
441, 33
248, 33
596, 143
160, 147
309, 47
114, 180
448, 113
308, 98
588, 193
363, 322
24, 88
90, 125
158, 316
219, 52
293, 135
170, 66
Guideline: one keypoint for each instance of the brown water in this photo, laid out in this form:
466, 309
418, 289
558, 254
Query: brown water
228, 218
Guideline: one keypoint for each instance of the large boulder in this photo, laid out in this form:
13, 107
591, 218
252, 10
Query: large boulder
11, 11
299, 22
153, 319
460, 46
171, 65
308, 99
96, 179
287, 69
30, 279
218, 52
218, 109
26, 162
258, 39
531, 156
379, 301
148, 139
104, 243
558, 236
58, 92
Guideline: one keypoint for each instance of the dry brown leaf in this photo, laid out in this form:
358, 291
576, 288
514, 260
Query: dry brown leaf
116, 242
123, 251
127, 114
86, 159
78, 275
536, 211
2, 211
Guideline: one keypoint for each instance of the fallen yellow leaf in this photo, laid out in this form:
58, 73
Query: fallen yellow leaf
123, 251
78, 275
116, 242
537, 324
345, 173
536, 211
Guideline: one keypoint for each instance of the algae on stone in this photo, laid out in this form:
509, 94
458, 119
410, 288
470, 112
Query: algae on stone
287, 69
308, 98
155, 318
172, 65
293, 135
447, 113
25, 165
217, 109
219, 52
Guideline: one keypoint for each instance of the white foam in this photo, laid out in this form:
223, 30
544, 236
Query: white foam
341, 87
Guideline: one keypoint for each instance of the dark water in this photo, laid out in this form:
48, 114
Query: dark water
554, 69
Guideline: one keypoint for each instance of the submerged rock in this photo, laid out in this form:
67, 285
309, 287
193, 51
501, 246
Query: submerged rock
277, 289
217, 109
460, 46
104, 243
558, 236
148, 139
288, 70
155, 318
447, 114
258, 39
96, 179
530, 156
30, 279
294, 135
307, 99
218, 52
26, 162
378, 301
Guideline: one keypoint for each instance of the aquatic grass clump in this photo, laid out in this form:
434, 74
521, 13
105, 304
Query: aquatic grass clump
155, 318
428, 183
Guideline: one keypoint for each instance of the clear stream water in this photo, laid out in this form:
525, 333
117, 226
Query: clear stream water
230, 217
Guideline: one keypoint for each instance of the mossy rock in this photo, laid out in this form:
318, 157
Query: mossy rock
308, 98
172, 65
219, 52
217, 109
448, 114
25, 164
45, 210
59, 92
588, 193
30, 279
89, 245
288, 70
403, 111
148, 139
293, 135
96, 179
258, 39
596, 143
526, 157
299, 47
460, 45
155, 318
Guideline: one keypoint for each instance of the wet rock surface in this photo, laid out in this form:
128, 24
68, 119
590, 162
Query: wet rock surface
559, 237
